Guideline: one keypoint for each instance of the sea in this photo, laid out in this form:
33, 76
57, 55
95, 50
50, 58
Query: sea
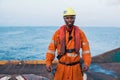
31, 42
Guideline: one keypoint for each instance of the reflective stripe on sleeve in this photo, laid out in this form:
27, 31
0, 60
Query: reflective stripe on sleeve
85, 52
84, 43
53, 42
51, 51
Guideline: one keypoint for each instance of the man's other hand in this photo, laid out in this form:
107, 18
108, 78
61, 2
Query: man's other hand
85, 68
49, 68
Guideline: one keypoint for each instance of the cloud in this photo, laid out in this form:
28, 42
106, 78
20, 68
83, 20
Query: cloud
115, 2
112, 2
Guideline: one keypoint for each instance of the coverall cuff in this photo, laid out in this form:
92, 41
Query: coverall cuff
48, 64
87, 64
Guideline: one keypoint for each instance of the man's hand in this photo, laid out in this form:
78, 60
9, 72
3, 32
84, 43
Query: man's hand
49, 68
85, 68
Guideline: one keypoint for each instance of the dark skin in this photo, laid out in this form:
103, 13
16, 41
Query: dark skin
69, 20
49, 68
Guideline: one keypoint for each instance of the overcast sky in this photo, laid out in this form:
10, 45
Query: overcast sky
49, 12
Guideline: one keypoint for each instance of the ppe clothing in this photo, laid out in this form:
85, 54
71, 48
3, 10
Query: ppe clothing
63, 41
69, 11
65, 72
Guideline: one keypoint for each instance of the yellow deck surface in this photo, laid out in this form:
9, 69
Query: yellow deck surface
3, 62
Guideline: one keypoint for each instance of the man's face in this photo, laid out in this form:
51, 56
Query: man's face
69, 20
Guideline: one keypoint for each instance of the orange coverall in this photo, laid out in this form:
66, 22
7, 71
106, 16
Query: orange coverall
64, 72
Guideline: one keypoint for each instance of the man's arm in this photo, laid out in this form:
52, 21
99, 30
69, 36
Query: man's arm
50, 55
86, 55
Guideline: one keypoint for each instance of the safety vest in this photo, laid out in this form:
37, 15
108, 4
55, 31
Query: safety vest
63, 39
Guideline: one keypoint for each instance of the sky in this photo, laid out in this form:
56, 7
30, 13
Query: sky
50, 12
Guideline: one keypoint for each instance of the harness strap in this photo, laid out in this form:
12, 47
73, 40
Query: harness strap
69, 64
67, 50
70, 50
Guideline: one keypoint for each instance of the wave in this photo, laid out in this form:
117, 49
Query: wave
14, 33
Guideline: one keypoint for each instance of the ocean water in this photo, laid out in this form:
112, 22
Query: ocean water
31, 43
97, 68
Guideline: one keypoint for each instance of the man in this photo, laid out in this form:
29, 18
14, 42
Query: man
68, 40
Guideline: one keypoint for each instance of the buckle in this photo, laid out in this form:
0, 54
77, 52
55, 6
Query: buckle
70, 50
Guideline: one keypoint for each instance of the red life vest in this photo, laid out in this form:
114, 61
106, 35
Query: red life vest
63, 37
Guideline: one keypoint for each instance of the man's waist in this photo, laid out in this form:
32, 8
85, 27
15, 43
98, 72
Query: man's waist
69, 63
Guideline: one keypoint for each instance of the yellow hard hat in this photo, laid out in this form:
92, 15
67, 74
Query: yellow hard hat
69, 11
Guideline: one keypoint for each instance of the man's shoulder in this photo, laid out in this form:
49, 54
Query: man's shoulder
57, 31
79, 28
